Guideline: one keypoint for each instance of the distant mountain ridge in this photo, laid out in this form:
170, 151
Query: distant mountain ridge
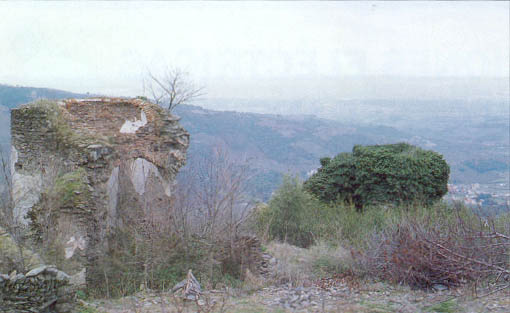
475, 146
13, 96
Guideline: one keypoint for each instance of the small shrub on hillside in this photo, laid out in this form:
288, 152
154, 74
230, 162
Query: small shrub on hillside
286, 218
134, 263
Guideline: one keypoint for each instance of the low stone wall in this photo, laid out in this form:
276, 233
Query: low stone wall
43, 289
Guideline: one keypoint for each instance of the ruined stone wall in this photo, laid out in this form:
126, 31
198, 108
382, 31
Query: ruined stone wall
43, 289
33, 124
81, 158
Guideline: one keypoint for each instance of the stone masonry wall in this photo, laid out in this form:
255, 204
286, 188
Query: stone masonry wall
79, 157
43, 289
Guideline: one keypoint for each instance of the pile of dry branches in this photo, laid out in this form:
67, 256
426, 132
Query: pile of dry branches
426, 254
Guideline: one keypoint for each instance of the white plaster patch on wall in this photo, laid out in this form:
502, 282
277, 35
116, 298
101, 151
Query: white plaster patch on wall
92, 100
113, 193
130, 127
26, 190
168, 188
141, 171
74, 244
14, 158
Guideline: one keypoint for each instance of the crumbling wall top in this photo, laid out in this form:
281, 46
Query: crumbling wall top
132, 128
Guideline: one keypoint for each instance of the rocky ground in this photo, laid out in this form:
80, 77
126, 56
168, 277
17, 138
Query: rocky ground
326, 295
292, 282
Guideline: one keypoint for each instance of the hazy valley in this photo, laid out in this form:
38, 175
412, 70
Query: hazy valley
473, 135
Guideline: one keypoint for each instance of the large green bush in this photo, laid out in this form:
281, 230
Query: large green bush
395, 173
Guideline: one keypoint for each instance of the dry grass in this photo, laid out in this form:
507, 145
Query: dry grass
300, 266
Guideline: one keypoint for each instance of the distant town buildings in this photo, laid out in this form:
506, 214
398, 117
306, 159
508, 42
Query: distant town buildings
495, 196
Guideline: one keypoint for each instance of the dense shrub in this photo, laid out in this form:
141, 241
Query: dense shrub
136, 262
286, 218
295, 216
336, 179
396, 173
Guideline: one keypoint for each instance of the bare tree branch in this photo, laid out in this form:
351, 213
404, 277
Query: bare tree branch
172, 88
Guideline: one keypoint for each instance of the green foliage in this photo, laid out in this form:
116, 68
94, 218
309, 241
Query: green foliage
86, 309
157, 263
133, 262
72, 189
325, 161
396, 174
336, 179
295, 216
448, 306
325, 265
287, 213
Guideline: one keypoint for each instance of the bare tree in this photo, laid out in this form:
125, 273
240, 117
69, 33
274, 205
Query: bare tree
213, 191
172, 88
212, 208
6, 218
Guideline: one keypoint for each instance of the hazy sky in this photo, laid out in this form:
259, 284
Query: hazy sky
250, 49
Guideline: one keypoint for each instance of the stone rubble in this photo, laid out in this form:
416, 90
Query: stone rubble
299, 298
42, 289
267, 265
